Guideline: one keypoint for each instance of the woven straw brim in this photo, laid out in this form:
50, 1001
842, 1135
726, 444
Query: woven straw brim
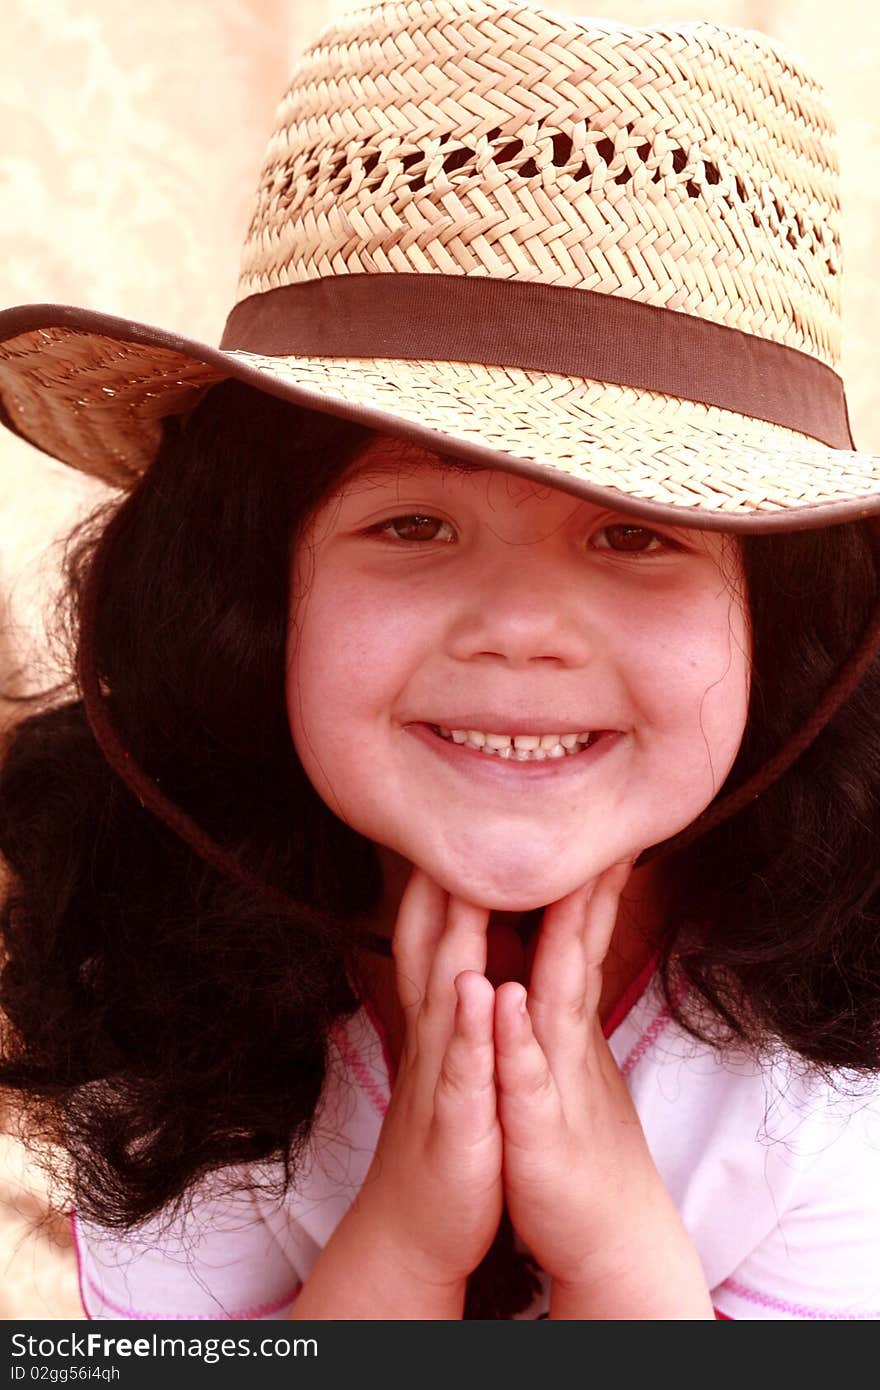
96, 402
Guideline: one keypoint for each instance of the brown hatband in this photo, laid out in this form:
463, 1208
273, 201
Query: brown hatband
222, 364
547, 328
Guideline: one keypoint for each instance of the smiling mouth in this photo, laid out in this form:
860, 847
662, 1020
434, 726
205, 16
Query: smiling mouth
535, 750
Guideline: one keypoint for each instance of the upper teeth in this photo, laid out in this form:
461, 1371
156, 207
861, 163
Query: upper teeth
510, 743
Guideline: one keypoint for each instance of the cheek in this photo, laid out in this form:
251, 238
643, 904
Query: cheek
327, 653
349, 653
696, 699
322, 654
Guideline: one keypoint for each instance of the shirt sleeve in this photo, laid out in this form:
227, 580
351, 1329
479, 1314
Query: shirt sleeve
821, 1259
216, 1259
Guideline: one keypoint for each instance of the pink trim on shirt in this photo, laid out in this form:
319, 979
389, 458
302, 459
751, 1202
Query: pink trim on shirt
657, 1025
383, 1038
358, 1067
630, 997
246, 1313
797, 1310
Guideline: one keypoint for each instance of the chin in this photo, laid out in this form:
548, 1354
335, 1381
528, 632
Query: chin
511, 887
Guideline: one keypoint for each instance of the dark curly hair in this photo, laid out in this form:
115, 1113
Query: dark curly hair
163, 1022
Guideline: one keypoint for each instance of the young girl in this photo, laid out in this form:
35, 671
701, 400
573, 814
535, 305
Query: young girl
450, 887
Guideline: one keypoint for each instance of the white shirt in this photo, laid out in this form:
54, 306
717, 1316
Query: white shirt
776, 1177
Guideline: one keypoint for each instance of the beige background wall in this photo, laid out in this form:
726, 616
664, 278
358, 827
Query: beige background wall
130, 139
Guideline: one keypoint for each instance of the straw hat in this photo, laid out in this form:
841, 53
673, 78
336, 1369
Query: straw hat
602, 256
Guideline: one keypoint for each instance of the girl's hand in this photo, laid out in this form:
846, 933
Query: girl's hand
434, 1185
581, 1186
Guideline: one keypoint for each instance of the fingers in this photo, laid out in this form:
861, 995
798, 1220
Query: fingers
528, 1099
436, 937
421, 919
462, 946
565, 983
465, 1113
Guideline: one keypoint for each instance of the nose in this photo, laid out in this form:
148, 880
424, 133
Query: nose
527, 603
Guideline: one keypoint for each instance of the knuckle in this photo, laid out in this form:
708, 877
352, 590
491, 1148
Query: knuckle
574, 1011
452, 1081
539, 1083
459, 1076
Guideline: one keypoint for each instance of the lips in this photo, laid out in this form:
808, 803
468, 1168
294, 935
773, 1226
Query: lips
508, 774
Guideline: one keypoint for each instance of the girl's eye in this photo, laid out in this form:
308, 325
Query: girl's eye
634, 540
620, 537
415, 527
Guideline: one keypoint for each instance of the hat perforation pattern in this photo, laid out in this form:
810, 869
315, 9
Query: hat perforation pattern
300, 177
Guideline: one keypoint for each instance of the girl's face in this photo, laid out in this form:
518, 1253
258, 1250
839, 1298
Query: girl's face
424, 597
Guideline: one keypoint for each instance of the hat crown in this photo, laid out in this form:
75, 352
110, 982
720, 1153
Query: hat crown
691, 167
